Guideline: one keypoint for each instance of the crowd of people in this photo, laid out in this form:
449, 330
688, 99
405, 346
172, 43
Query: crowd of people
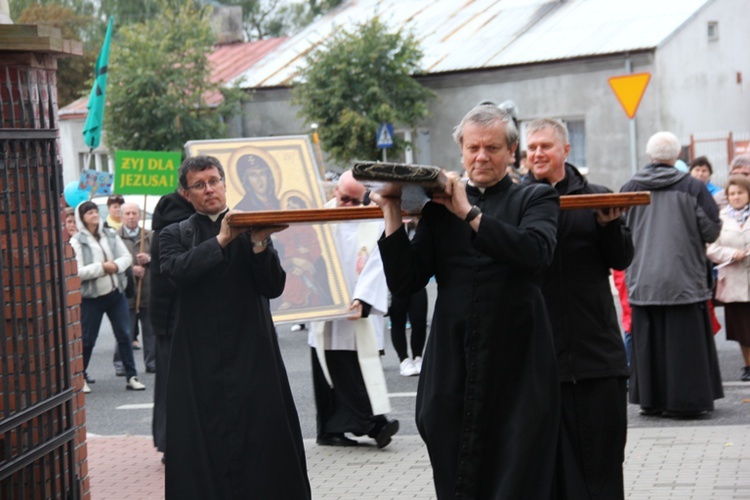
526, 372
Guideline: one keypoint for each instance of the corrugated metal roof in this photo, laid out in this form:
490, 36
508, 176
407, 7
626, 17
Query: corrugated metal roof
476, 34
228, 61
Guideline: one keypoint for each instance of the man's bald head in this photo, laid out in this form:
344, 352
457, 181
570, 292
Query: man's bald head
131, 214
349, 192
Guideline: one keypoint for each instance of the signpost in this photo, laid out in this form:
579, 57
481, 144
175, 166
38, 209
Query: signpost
385, 138
629, 91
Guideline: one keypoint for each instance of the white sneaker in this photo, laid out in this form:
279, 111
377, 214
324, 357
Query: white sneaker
86, 388
407, 368
298, 327
134, 385
418, 364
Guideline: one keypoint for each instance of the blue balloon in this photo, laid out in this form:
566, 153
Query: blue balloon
74, 194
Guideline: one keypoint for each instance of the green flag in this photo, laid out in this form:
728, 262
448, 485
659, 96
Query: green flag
92, 129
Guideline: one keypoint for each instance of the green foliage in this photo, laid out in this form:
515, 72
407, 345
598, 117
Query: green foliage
137, 11
272, 18
79, 7
73, 73
158, 81
359, 79
86, 21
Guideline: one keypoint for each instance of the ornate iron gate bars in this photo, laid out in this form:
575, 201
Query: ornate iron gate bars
37, 424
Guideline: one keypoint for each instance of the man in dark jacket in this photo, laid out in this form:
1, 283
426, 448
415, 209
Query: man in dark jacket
163, 310
675, 368
138, 241
232, 425
591, 359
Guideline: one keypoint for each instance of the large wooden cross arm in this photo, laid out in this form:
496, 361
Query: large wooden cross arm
412, 181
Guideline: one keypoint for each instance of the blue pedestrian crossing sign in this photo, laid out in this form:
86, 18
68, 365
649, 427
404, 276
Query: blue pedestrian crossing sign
385, 135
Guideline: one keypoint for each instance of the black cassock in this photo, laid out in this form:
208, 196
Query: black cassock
232, 426
488, 397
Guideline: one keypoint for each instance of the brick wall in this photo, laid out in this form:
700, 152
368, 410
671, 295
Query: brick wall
43, 451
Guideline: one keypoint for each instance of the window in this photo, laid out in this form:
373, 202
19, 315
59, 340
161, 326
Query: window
99, 161
713, 31
577, 138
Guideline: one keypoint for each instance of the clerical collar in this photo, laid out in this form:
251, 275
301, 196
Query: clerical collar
481, 189
132, 232
214, 217
500, 185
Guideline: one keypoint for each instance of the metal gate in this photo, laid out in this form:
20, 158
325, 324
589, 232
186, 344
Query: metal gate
37, 424
720, 148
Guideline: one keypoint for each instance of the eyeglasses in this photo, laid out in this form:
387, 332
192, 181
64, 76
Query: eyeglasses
348, 199
201, 186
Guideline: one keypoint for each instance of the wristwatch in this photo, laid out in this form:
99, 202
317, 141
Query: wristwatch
261, 244
473, 213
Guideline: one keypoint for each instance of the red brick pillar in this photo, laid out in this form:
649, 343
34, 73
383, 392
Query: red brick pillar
42, 413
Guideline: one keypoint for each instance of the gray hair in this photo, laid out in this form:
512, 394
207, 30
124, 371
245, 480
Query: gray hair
556, 125
739, 161
486, 116
664, 147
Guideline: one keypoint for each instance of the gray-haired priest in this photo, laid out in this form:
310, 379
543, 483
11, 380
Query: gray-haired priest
488, 397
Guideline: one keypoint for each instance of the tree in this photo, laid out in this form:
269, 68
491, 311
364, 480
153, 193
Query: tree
73, 73
158, 84
81, 20
138, 11
359, 79
79, 7
271, 18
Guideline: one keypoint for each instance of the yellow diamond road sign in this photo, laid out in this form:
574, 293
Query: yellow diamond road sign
629, 90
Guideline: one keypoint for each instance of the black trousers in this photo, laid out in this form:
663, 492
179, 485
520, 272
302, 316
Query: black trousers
415, 308
162, 344
591, 445
345, 407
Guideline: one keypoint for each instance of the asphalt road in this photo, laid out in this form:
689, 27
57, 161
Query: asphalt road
111, 410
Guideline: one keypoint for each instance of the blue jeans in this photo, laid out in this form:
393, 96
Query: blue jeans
628, 346
115, 305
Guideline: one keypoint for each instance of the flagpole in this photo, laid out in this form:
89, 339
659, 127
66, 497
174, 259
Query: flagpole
143, 244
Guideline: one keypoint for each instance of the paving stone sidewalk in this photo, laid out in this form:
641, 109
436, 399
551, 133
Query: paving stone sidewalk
670, 463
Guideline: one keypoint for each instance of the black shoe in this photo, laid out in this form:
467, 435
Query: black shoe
88, 379
745, 374
650, 412
150, 369
119, 371
335, 440
385, 432
687, 415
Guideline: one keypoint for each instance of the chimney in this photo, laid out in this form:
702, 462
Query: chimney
226, 22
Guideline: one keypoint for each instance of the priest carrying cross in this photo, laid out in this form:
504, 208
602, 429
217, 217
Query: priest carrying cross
488, 397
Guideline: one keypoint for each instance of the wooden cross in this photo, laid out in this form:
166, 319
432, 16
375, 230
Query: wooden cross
410, 181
